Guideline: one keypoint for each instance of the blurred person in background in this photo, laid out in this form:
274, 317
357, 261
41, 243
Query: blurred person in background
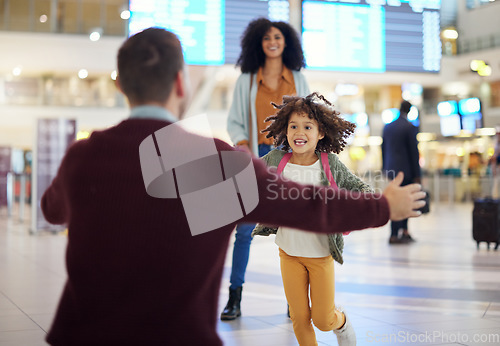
400, 153
495, 162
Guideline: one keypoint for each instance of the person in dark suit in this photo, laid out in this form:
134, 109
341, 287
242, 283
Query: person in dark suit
400, 153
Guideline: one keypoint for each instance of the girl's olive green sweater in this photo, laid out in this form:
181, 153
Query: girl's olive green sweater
344, 179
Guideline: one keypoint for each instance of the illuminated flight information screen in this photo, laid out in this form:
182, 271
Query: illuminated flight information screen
240, 12
209, 31
371, 35
199, 24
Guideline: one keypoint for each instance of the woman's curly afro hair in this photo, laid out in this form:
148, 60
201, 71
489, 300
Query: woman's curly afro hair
335, 129
252, 56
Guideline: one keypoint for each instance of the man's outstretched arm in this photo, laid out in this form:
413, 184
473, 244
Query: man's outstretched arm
325, 210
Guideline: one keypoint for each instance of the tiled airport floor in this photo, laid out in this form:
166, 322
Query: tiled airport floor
437, 291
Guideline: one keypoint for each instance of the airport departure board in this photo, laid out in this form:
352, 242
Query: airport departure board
209, 31
372, 35
240, 12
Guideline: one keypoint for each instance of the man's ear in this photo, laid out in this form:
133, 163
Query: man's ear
180, 84
118, 84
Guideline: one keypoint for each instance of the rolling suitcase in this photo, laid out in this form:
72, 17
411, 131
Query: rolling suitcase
486, 221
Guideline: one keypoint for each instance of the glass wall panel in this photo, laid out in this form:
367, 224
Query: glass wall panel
3, 4
42, 16
22, 91
19, 15
64, 16
67, 16
91, 15
115, 25
68, 91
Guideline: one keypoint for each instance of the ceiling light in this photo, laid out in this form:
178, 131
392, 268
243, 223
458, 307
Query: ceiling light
476, 65
95, 34
82, 135
125, 15
83, 73
485, 71
16, 71
450, 34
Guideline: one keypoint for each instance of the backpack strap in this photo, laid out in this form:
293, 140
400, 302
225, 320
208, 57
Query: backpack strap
328, 171
283, 162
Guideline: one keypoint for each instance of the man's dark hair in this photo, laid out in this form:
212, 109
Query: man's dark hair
315, 106
252, 56
405, 108
148, 63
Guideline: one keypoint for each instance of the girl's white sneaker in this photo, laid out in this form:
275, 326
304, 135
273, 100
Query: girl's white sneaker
346, 335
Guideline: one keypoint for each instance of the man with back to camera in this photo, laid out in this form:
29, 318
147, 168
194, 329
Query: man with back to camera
136, 274
400, 154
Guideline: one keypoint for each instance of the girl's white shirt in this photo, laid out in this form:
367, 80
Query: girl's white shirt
293, 241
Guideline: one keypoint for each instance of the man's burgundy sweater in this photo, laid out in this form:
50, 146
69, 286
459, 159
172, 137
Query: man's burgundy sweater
136, 275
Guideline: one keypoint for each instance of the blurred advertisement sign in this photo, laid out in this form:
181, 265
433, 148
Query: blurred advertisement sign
53, 137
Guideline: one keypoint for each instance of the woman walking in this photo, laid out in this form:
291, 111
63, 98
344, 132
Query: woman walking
271, 59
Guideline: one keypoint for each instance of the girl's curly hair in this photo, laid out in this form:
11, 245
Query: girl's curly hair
252, 56
335, 129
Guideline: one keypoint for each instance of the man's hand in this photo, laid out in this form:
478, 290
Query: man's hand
404, 201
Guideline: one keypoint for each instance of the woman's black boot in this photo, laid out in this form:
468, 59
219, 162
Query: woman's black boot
232, 310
